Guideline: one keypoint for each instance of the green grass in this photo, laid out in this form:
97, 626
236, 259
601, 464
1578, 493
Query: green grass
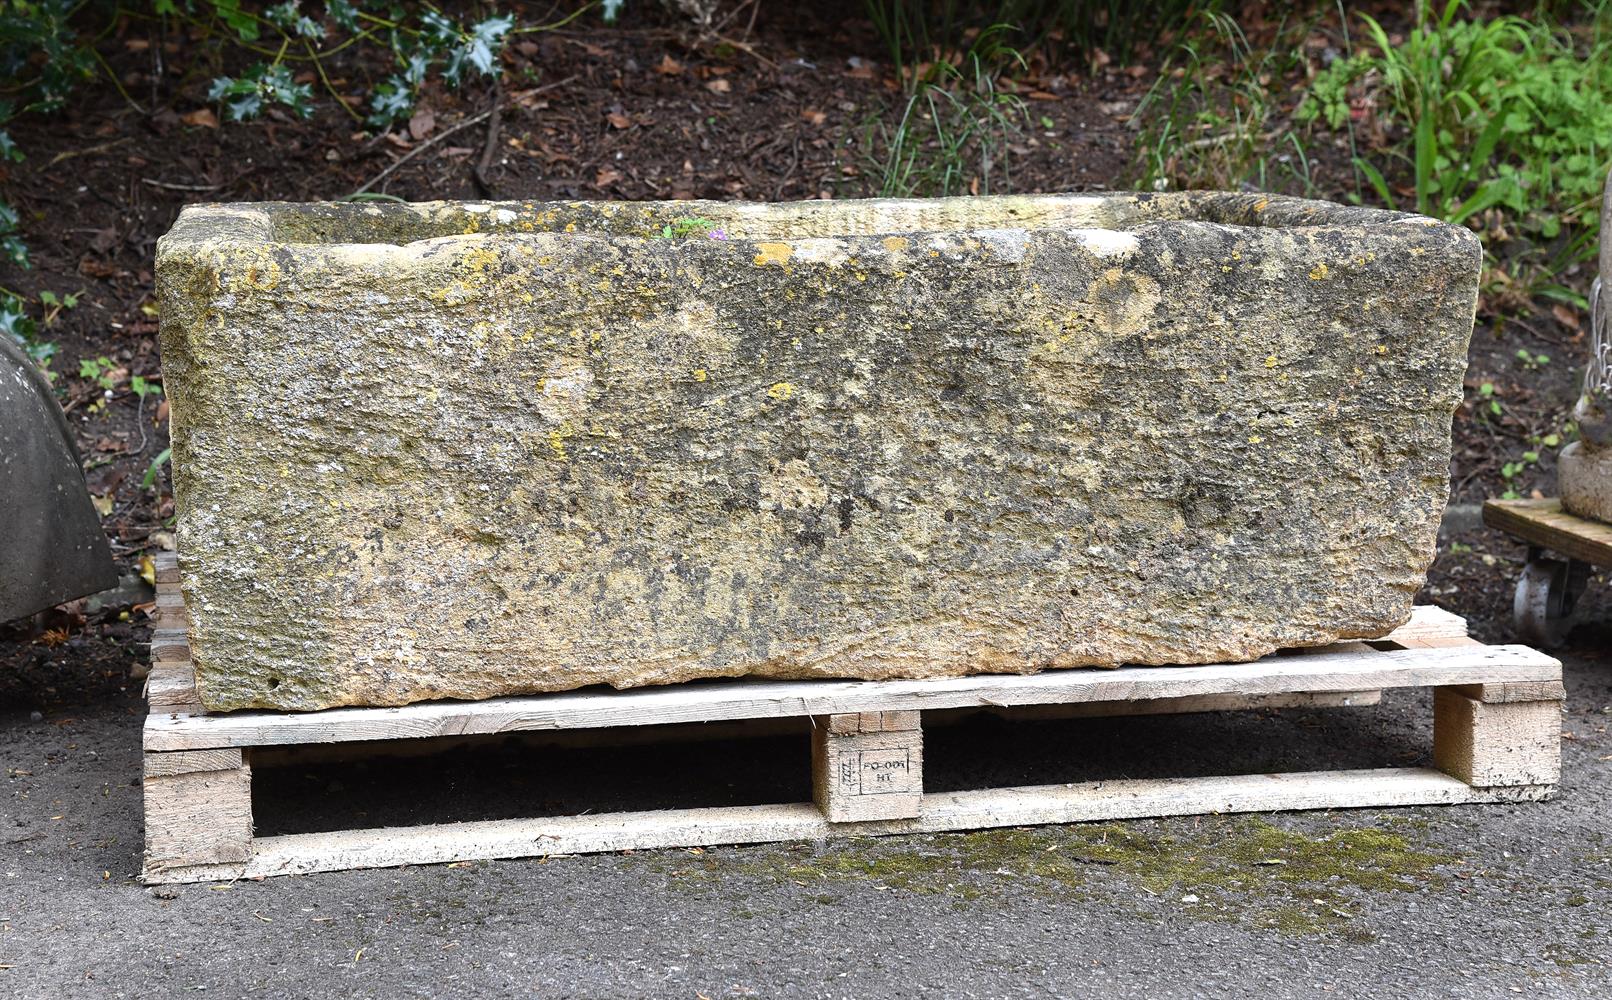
916, 32
953, 136
1214, 118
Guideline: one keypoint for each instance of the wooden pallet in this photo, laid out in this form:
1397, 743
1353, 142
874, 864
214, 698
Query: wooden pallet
1496, 739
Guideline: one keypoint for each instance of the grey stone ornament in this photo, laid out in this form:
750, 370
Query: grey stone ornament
52, 548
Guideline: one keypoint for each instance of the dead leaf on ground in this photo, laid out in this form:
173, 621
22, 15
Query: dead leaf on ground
813, 117
668, 66
618, 120
719, 86
203, 117
1565, 315
606, 177
422, 123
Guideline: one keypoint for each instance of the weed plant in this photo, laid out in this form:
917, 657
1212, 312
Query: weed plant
954, 136
916, 32
1213, 117
1505, 122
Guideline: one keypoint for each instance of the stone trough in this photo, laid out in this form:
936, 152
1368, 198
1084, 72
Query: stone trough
466, 450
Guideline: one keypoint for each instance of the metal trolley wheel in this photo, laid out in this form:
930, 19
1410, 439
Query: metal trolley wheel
1547, 596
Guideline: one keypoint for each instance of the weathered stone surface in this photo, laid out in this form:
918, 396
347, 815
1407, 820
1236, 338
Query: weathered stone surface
461, 451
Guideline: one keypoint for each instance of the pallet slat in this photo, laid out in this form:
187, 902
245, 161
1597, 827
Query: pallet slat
941, 813
1352, 670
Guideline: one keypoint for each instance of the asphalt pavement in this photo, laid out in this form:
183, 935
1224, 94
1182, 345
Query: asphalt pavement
1462, 901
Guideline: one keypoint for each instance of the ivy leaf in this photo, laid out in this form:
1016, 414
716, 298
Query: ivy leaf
246, 97
290, 19
243, 24
12, 248
343, 13
487, 41
477, 48
392, 101
18, 325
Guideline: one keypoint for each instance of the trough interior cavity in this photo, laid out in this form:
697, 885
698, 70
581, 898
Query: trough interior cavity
330, 223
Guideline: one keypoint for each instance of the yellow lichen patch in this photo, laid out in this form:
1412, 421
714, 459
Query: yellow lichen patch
781, 391
1254, 439
773, 253
1318, 272
557, 438
700, 375
480, 260
895, 244
257, 270
1271, 362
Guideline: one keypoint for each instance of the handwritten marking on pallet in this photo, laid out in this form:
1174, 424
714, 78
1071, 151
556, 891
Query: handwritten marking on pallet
882, 772
1546, 524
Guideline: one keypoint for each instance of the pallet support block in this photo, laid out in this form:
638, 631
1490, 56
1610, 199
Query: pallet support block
1499, 735
867, 765
198, 806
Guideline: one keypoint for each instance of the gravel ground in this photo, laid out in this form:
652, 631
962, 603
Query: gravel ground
1469, 901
